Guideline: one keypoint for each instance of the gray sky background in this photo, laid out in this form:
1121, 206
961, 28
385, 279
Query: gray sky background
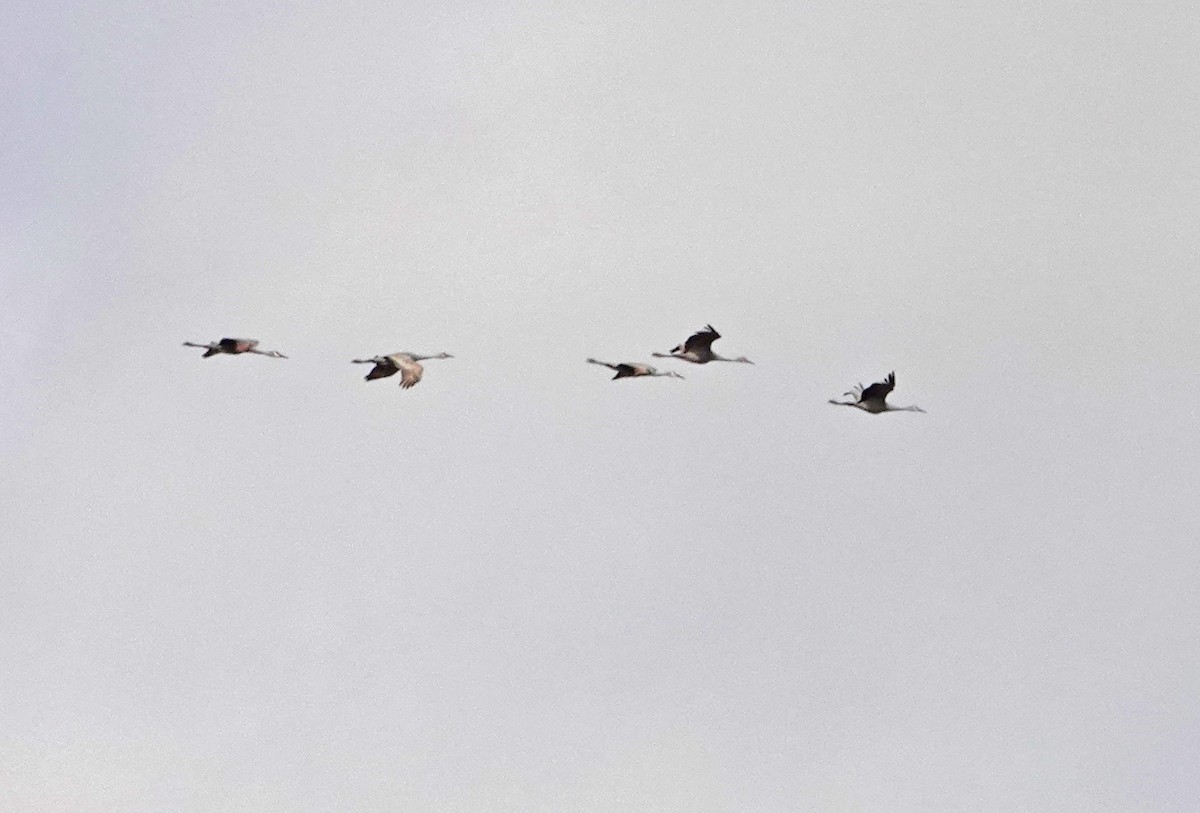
246, 584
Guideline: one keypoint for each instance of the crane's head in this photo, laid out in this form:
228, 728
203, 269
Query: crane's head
275, 354
743, 360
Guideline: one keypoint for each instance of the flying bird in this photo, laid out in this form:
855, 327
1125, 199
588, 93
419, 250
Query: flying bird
407, 364
627, 370
873, 399
698, 349
235, 347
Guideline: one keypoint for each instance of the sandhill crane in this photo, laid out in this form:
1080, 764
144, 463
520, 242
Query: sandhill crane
873, 399
627, 370
407, 364
698, 349
235, 347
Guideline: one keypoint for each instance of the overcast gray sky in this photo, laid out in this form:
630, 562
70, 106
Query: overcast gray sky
242, 584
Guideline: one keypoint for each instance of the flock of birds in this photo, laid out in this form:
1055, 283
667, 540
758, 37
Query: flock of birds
697, 350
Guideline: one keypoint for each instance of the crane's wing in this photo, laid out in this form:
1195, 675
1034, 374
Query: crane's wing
880, 389
237, 345
410, 371
626, 370
700, 341
382, 369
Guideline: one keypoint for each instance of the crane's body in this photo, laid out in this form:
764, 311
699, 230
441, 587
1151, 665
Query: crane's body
630, 370
873, 399
698, 349
234, 347
407, 364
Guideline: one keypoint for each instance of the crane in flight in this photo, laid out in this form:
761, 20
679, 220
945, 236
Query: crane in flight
234, 347
698, 349
873, 399
629, 370
407, 364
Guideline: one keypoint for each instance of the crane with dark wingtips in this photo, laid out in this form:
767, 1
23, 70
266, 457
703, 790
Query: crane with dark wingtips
234, 347
698, 349
631, 370
407, 364
873, 399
